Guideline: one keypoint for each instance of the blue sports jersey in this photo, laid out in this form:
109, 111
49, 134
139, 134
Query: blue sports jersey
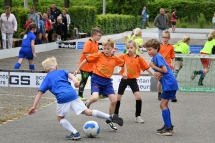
57, 83
26, 41
168, 80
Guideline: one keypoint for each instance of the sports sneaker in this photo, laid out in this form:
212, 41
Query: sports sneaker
116, 119
159, 130
166, 132
72, 136
111, 125
193, 75
138, 119
82, 98
174, 100
86, 103
102, 97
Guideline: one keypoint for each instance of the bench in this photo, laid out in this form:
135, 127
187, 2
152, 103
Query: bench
79, 34
15, 42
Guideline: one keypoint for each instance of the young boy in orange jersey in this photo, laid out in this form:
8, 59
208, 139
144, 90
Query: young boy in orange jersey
104, 64
167, 51
134, 64
90, 47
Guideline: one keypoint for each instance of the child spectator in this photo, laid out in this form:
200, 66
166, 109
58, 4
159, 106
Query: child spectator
168, 81
28, 22
41, 29
66, 96
101, 83
48, 26
59, 28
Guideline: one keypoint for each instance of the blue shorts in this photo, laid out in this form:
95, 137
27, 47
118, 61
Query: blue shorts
101, 85
169, 95
26, 53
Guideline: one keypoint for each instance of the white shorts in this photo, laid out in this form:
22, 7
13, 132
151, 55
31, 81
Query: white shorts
76, 105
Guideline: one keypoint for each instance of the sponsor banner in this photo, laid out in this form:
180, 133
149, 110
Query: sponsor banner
120, 47
195, 49
4, 76
18, 79
80, 45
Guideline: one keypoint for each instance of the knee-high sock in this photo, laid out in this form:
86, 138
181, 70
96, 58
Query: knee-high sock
31, 67
166, 118
39, 41
101, 115
66, 124
17, 65
170, 117
138, 107
117, 108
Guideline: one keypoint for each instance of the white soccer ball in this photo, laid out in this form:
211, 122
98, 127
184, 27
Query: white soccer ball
91, 129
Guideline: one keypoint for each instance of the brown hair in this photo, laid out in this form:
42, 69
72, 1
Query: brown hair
64, 9
211, 35
154, 43
95, 31
108, 41
7, 7
30, 27
32, 8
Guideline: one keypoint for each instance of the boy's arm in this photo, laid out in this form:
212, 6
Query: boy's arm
173, 62
80, 66
149, 71
161, 69
124, 76
36, 100
74, 79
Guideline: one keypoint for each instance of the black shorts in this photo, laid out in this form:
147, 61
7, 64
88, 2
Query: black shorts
125, 82
179, 58
173, 23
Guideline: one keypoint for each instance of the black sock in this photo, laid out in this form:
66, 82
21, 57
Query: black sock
138, 107
117, 108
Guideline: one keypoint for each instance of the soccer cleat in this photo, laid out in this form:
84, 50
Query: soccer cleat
102, 97
166, 132
159, 96
116, 119
193, 75
86, 103
160, 130
174, 100
138, 119
111, 125
200, 84
82, 98
72, 136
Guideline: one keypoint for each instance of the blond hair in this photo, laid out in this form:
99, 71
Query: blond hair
166, 32
153, 43
133, 43
49, 64
185, 39
136, 33
211, 35
108, 41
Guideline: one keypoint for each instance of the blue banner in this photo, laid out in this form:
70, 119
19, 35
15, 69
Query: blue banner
80, 45
195, 49
120, 47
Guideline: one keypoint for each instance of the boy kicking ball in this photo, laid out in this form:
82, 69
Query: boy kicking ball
67, 98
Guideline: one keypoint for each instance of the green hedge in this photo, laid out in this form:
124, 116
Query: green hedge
114, 23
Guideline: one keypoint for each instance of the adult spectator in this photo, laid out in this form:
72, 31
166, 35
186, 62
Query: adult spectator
54, 11
53, 21
66, 23
167, 16
173, 20
161, 22
34, 16
144, 17
8, 25
213, 21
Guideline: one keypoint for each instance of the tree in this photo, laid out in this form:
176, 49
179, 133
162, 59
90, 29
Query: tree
7, 3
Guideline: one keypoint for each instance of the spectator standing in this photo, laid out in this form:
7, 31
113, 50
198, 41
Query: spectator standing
41, 30
213, 21
144, 17
34, 16
8, 25
66, 23
53, 21
161, 22
48, 26
167, 16
173, 20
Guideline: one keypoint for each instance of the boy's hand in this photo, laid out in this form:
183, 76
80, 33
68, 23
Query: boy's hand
172, 66
76, 84
31, 111
75, 72
158, 75
124, 76
152, 65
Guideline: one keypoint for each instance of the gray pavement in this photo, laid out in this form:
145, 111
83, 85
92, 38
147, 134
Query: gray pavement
192, 115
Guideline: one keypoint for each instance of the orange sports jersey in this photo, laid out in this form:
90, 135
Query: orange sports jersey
167, 51
134, 65
90, 47
104, 65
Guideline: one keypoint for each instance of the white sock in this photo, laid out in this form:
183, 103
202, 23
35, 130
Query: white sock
66, 124
101, 115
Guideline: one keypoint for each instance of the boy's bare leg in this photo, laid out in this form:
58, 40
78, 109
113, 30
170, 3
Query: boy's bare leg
93, 98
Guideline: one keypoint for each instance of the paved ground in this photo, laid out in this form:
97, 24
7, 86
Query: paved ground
192, 115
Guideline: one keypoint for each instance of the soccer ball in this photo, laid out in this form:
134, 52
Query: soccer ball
91, 129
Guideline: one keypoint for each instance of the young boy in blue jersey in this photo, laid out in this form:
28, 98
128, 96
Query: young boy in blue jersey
56, 81
27, 49
169, 84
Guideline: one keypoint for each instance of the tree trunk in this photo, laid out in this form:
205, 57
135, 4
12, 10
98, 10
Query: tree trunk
7, 3
66, 3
